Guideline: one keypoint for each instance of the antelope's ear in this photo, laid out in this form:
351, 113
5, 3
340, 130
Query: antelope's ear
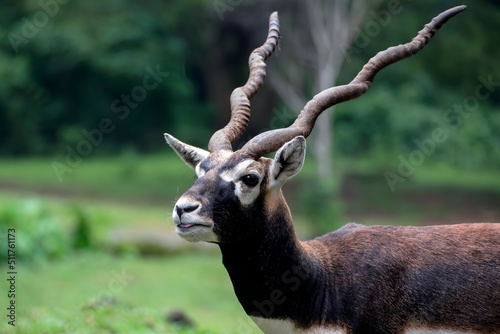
288, 161
190, 154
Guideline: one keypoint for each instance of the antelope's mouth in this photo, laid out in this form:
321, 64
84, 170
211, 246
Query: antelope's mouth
194, 231
184, 226
190, 225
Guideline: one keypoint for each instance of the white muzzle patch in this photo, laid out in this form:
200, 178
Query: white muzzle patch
192, 226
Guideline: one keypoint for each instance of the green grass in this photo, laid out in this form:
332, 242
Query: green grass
142, 179
55, 295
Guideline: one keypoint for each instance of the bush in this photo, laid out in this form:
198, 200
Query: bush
39, 234
81, 235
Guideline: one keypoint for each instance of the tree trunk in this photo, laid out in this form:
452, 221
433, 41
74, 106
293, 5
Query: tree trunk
322, 145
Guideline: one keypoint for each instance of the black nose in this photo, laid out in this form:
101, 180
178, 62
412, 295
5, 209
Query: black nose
188, 208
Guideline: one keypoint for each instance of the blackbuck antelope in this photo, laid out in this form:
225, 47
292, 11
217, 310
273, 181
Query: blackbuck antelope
358, 279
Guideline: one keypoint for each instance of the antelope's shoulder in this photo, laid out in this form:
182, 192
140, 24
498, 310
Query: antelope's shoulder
407, 233
382, 242
350, 235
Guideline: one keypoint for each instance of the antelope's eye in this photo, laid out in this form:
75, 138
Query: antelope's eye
250, 180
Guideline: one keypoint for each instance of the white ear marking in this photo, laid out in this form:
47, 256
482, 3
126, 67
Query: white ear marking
199, 171
288, 161
189, 154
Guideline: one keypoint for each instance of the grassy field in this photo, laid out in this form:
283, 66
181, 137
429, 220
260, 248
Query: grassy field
78, 292
143, 179
96, 293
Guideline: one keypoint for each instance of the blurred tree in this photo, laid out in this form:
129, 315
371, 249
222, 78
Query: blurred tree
317, 36
410, 99
71, 65
66, 67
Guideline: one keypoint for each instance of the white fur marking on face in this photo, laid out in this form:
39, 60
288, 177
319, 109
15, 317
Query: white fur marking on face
246, 195
202, 229
279, 326
235, 173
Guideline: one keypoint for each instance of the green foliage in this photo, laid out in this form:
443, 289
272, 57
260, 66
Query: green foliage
82, 236
410, 99
67, 75
39, 234
372, 129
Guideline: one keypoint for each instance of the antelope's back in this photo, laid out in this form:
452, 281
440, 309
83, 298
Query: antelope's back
429, 277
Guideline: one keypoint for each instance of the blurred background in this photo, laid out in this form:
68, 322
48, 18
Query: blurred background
89, 87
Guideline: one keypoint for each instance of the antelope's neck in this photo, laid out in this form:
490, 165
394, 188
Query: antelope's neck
277, 277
